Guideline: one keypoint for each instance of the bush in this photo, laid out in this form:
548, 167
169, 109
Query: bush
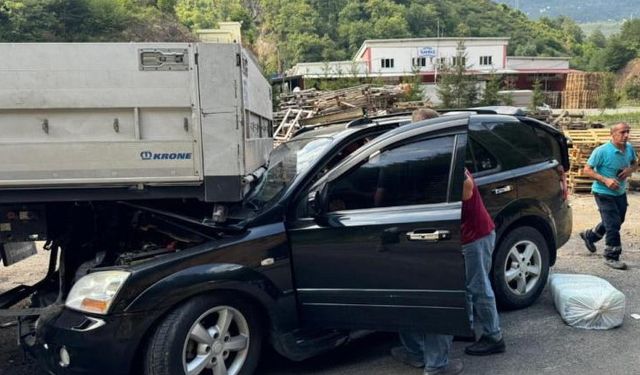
632, 88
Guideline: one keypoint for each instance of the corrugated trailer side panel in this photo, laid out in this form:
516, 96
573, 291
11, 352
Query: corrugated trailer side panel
95, 115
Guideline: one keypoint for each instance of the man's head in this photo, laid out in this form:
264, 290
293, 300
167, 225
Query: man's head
423, 114
620, 134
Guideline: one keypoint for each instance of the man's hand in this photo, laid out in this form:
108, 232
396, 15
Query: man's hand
467, 188
611, 183
625, 173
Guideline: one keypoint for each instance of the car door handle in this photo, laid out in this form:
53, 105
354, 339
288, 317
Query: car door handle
436, 235
502, 189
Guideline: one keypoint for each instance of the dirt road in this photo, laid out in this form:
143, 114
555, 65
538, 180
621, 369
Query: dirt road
538, 340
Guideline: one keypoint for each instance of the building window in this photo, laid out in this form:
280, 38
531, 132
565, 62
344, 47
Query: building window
459, 61
486, 60
419, 61
442, 62
386, 63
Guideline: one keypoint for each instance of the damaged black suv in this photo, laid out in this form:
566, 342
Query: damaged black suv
351, 226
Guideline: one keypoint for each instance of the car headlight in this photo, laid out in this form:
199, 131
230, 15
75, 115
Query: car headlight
94, 292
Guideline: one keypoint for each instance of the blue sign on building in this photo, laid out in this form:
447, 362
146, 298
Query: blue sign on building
427, 52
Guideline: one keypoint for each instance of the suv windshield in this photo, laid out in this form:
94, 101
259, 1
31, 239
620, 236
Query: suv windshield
285, 162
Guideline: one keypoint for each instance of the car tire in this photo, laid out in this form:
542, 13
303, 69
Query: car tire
520, 268
192, 339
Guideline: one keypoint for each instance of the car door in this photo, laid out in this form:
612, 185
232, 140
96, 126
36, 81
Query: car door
384, 250
497, 186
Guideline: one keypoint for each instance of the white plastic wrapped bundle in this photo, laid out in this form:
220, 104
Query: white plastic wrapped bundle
586, 301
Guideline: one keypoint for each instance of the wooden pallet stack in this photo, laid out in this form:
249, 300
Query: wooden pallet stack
322, 107
583, 144
300, 100
363, 96
582, 90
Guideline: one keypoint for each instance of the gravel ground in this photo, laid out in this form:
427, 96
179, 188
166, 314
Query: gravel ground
538, 342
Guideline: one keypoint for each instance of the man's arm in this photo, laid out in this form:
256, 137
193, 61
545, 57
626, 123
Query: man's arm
633, 166
611, 183
467, 188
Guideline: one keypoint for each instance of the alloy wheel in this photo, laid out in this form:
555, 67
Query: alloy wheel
217, 343
523, 267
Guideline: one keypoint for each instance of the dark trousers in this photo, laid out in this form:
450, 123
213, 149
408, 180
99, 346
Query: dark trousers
612, 212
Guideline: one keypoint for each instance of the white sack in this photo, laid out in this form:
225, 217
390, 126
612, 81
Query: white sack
586, 301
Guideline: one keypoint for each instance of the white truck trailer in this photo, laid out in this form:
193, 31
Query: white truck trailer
86, 128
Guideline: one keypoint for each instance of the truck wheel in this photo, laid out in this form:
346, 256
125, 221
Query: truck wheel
520, 268
206, 335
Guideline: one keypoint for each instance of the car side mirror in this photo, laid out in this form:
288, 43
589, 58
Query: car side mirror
316, 201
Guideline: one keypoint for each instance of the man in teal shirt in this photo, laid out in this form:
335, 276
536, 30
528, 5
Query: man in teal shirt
610, 165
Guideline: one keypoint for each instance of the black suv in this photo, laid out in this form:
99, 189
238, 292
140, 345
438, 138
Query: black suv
350, 227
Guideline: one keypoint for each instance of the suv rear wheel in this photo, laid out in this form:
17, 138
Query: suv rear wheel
210, 335
520, 268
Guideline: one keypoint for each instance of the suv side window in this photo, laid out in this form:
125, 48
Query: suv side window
478, 158
521, 137
409, 174
549, 144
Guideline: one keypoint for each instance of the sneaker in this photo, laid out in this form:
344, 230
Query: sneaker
615, 264
455, 366
587, 242
402, 355
486, 346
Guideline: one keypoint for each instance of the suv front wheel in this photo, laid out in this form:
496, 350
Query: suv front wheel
212, 335
520, 268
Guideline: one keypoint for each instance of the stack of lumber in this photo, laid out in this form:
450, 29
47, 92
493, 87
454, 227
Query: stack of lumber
582, 90
364, 96
339, 105
300, 100
553, 99
583, 143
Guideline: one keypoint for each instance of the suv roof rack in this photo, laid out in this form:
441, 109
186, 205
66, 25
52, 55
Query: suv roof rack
488, 110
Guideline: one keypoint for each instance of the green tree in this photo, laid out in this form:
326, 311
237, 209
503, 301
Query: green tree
167, 6
197, 14
537, 98
598, 39
617, 54
632, 88
455, 87
415, 92
630, 33
371, 19
609, 97
491, 93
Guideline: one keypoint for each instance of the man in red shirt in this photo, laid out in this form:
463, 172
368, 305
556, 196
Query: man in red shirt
478, 239
431, 351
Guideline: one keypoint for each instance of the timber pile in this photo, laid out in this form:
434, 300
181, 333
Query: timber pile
553, 99
571, 121
338, 105
583, 143
364, 96
301, 100
582, 90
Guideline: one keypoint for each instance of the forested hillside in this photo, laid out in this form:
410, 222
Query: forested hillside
284, 32
579, 10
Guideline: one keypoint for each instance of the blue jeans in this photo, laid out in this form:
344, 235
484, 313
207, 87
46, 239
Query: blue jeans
480, 297
613, 209
433, 348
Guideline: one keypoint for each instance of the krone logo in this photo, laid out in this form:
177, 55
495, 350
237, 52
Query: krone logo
148, 155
